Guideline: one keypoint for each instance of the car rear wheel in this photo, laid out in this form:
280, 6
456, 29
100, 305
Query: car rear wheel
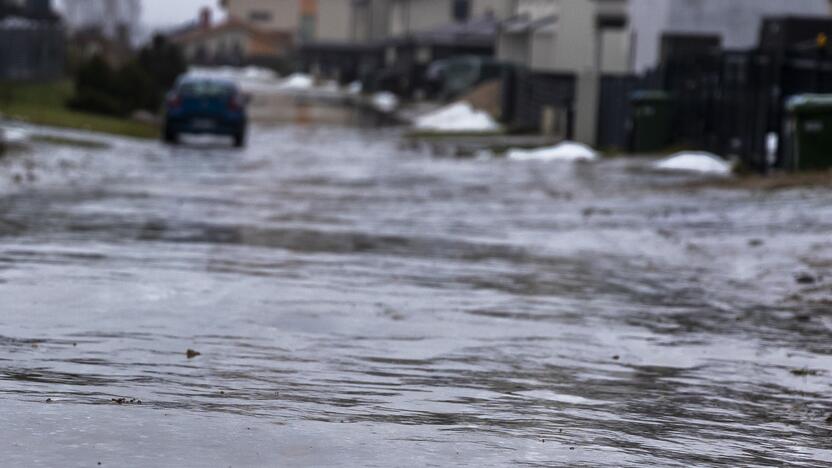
239, 140
171, 137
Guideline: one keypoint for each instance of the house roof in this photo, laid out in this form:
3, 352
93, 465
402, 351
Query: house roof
231, 24
524, 24
475, 32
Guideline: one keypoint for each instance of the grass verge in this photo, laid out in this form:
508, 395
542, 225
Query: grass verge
45, 104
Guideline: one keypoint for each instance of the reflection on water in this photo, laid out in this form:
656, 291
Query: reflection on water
356, 303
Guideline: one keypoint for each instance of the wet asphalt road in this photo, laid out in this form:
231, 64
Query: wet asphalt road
357, 303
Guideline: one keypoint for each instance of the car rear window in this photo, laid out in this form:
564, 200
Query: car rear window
206, 88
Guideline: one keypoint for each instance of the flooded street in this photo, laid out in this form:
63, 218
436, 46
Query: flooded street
360, 303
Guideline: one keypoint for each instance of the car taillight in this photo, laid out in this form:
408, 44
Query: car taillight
174, 101
235, 103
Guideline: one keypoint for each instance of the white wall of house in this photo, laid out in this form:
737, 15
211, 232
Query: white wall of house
736, 21
275, 15
542, 50
334, 20
500, 8
409, 16
574, 44
536, 9
617, 51
571, 43
228, 42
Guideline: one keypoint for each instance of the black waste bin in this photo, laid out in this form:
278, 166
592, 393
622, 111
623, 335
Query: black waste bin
651, 123
808, 132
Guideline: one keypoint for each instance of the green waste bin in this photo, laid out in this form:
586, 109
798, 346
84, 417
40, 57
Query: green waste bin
652, 121
809, 132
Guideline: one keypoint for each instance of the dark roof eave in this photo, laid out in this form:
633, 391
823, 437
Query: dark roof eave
428, 41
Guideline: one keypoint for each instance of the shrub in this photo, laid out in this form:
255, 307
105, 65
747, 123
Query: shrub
139, 84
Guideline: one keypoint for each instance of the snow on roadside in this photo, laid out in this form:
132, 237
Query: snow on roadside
385, 102
13, 136
355, 88
297, 82
457, 117
567, 151
239, 75
695, 161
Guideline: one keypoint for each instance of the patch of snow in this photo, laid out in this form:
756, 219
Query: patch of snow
260, 74
330, 87
297, 81
565, 151
235, 73
701, 162
13, 136
458, 117
772, 145
355, 88
385, 102
248, 79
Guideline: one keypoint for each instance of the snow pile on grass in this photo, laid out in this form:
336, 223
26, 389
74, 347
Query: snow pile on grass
385, 102
564, 151
458, 117
297, 82
701, 162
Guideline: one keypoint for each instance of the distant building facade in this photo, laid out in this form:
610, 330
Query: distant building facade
562, 41
267, 15
736, 22
568, 35
350, 37
32, 41
232, 42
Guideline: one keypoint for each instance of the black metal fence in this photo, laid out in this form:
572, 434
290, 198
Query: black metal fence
525, 96
733, 103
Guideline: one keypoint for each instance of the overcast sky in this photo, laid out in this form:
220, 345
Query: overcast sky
170, 12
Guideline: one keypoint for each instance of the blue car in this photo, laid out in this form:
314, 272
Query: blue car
199, 105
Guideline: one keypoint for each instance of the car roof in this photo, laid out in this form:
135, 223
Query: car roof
190, 79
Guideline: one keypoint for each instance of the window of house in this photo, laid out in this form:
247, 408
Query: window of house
260, 16
462, 10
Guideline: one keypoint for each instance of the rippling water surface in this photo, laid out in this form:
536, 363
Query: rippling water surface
359, 303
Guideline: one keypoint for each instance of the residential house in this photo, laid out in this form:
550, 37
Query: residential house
577, 40
735, 22
400, 36
233, 42
32, 41
343, 38
568, 36
267, 15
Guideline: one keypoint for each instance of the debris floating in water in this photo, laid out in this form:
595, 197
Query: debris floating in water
805, 372
805, 278
126, 401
